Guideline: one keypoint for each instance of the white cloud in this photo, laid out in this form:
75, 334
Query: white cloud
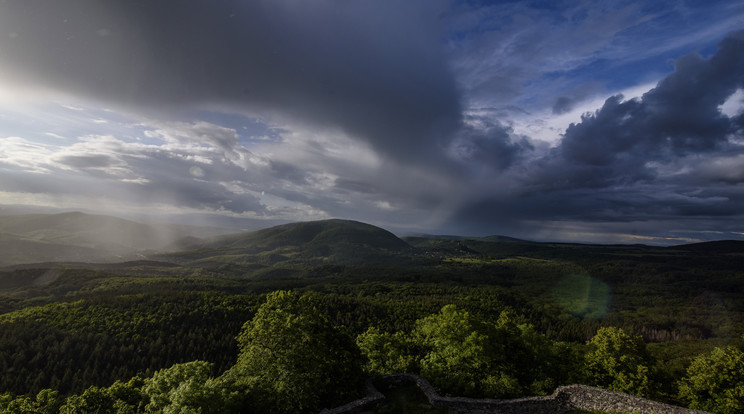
139, 180
384, 205
199, 135
53, 135
734, 105
72, 107
27, 155
310, 147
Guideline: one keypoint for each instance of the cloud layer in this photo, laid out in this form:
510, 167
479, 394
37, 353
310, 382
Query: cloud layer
424, 116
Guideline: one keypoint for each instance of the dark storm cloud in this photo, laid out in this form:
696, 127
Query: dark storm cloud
678, 117
373, 68
562, 105
485, 143
569, 99
670, 154
647, 210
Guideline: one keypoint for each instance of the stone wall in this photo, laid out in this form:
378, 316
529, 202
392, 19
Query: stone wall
564, 399
371, 399
591, 398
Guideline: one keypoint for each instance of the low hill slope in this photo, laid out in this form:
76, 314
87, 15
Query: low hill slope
719, 246
17, 250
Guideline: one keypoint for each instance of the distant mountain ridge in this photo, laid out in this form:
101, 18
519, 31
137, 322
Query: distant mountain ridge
80, 237
75, 236
492, 238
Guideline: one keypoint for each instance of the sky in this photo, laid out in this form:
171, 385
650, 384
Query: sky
583, 121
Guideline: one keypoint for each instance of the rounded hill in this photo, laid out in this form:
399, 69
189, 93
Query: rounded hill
334, 241
317, 233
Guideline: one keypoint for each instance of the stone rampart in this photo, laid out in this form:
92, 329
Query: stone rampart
563, 400
591, 398
371, 399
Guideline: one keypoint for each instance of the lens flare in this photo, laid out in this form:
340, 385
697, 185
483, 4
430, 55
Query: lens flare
583, 295
196, 172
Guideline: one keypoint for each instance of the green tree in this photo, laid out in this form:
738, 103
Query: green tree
463, 356
618, 361
538, 363
20, 405
94, 400
48, 402
5, 399
128, 396
185, 388
715, 381
387, 353
292, 359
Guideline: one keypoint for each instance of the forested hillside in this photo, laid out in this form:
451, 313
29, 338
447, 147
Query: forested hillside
241, 323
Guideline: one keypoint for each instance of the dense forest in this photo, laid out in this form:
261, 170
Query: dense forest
296, 317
